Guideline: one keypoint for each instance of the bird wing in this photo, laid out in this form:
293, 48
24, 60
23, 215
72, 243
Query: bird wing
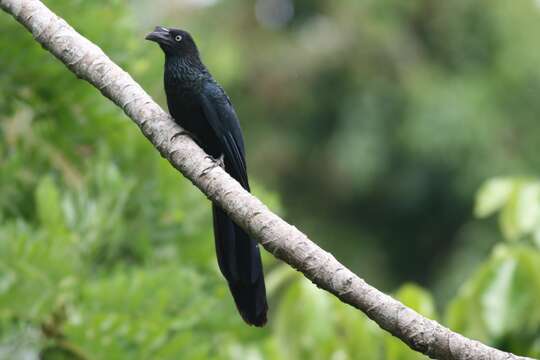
221, 117
238, 255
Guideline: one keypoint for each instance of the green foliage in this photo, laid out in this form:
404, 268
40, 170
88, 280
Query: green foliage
501, 300
107, 253
499, 303
311, 324
519, 203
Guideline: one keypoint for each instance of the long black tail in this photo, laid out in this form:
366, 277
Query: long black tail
240, 262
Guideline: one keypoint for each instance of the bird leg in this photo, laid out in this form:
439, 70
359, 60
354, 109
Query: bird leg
221, 161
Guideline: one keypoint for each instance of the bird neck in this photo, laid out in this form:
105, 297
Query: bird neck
185, 67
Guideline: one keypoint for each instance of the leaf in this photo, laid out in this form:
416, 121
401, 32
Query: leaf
528, 207
464, 313
48, 204
521, 214
492, 195
302, 308
499, 302
496, 298
508, 219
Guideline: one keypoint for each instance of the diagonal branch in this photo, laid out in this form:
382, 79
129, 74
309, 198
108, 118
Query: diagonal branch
283, 240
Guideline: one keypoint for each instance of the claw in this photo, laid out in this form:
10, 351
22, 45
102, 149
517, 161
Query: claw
175, 136
182, 132
219, 162
209, 168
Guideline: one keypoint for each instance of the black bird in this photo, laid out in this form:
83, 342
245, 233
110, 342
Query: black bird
199, 104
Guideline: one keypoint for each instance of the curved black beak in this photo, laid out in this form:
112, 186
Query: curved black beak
160, 34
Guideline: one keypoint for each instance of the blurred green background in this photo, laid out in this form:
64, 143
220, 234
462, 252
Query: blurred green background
402, 136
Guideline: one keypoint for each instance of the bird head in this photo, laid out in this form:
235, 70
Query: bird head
174, 42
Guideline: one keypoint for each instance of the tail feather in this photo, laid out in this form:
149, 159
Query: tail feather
240, 262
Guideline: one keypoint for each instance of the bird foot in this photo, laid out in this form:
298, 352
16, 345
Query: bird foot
183, 132
219, 162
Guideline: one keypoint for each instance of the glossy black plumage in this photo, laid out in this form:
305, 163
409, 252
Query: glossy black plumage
200, 106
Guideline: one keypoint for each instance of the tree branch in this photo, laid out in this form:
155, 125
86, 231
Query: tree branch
286, 242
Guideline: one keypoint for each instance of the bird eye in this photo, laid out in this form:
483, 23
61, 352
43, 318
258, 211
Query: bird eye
178, 38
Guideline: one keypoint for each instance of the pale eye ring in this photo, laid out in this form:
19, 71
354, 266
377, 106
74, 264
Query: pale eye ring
178, 38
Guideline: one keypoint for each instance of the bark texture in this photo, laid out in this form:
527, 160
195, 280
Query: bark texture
283, 240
